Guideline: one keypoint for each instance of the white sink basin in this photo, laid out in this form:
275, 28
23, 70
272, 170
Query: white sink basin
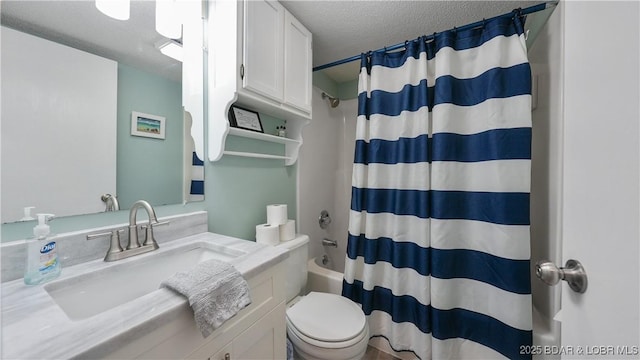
94, 292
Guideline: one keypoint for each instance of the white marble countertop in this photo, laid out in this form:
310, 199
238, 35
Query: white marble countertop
35, 327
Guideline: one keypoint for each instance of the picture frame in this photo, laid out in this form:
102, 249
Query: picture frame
246, 119
147, 125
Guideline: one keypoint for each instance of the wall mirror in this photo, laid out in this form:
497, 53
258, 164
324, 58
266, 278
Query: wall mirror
67, 136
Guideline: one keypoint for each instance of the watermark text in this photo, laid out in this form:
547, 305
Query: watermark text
591, 350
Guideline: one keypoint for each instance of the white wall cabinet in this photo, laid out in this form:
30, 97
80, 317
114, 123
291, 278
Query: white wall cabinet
263, 48
297, 64
259, 57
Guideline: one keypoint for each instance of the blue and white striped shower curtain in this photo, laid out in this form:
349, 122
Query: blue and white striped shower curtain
196, 190
438, 251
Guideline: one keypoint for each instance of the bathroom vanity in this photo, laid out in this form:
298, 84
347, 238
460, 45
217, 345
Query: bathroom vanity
99, 309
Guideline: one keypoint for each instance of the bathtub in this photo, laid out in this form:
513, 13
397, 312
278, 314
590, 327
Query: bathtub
321, 278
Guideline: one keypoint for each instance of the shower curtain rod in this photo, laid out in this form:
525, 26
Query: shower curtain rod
525, 11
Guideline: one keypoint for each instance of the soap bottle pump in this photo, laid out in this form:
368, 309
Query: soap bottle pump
27, 213
42, 257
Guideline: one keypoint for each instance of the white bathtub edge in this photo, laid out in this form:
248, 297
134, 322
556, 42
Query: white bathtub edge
322, 279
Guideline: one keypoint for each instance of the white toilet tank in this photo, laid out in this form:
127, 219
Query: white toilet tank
296, 265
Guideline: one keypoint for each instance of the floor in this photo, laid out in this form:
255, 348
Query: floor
374, 354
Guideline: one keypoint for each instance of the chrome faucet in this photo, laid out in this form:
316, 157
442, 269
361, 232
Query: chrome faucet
111, 202
134, 247
133, 226
329, 242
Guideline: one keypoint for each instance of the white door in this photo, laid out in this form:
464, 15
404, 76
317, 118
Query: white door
601, 178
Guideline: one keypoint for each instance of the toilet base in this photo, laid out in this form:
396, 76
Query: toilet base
305, 351
297, 355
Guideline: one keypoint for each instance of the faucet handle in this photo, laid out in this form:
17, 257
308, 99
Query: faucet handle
153, 224
159, 223
149, 238
98, 235
114, 244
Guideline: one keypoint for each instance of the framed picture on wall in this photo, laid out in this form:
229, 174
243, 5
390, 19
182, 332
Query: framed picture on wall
245, 119
147, 125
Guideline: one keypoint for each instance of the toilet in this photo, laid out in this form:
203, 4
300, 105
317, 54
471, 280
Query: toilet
320, 326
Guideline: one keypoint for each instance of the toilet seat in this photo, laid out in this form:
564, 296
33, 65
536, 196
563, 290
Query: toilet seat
327, 321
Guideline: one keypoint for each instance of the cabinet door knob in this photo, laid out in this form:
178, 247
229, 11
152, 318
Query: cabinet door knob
227, 356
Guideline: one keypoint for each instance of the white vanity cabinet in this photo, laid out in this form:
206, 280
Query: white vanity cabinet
256, 335
256, 332
260, 58
263, 340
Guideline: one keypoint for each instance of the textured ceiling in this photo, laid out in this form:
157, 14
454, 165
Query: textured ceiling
340, 28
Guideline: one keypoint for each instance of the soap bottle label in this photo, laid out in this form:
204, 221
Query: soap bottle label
48, 258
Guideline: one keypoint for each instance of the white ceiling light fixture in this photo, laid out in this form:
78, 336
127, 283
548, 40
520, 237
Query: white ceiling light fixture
171, 48
117, 9
168, 19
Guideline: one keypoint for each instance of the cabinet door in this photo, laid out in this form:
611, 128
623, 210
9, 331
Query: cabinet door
266, 339
263, 48
297, 64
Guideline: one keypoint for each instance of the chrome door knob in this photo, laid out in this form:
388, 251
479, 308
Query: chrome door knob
548, 272
573, 273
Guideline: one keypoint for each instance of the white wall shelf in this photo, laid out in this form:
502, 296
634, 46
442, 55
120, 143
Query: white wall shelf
238, 73
256, 155
261, 136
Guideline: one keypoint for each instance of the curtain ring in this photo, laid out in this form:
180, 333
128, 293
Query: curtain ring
517, 12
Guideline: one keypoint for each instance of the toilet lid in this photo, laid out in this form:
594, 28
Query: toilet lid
327, 317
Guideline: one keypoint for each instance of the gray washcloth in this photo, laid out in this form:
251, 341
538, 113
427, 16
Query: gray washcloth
216, 292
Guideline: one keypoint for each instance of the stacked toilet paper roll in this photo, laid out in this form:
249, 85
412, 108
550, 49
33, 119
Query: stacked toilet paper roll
287, 230
277, 214
267, 234
278, 227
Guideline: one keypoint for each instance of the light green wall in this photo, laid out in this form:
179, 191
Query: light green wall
238, 190
348, 90
148, 168
241, 189
322, 81
344, 91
